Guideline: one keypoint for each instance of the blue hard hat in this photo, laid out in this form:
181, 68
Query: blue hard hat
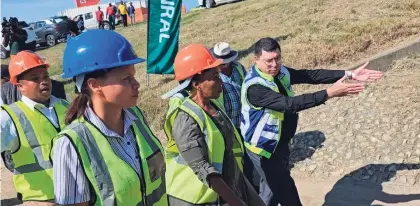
97, 50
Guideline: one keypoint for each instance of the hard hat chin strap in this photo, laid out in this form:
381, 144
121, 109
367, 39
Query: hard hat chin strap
177, 89
79, 82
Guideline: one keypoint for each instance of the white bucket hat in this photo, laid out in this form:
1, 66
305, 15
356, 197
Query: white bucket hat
222, 50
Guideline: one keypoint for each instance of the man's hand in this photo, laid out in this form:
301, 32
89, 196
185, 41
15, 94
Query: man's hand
366, 75
341, 89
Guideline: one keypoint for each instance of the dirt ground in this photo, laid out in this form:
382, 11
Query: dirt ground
311, 191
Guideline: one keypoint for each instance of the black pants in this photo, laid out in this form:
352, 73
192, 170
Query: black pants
100, 24
251, 173
111, 20
277, 186
124, 17
249, 170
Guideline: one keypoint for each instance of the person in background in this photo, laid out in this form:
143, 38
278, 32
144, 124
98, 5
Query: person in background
73, 29
110, 13
232, 74
80, 23
28, 127
204, 151
100, 18
131, 12
123, 12
4, 74
14, 37
270, 113
107, 155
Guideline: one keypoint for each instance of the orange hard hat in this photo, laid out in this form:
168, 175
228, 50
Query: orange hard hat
192, 60
24, 61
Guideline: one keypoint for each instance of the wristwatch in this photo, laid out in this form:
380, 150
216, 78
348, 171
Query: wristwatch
349, 75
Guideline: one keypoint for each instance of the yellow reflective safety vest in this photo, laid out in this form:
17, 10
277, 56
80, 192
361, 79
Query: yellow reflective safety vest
181, 182
113, 180
33, 173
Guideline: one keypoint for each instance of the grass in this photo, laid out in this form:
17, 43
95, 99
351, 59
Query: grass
312, 33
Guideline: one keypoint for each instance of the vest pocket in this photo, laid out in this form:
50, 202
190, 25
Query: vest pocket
156, 165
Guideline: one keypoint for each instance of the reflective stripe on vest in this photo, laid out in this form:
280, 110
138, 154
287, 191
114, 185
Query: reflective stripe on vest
114, 181
179, 174
33, 169
174, 102
262, 138
154, 161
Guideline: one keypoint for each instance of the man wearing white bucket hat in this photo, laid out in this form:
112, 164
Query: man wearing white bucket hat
232, 74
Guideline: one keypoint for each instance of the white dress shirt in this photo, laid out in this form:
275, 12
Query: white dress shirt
9, 135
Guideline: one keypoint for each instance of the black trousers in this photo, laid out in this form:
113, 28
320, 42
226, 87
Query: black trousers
124, 17
277, 186
100, 24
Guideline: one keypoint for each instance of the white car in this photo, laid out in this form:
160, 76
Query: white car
89, 19
211, 3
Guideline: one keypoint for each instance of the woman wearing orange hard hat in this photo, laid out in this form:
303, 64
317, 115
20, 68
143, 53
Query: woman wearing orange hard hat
29, 125
204, 151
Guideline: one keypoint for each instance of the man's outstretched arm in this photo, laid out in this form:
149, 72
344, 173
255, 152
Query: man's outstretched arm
325, 76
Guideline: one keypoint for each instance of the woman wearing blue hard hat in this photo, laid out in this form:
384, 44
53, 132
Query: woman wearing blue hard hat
107, 154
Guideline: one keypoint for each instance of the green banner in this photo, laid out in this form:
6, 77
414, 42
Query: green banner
164, 17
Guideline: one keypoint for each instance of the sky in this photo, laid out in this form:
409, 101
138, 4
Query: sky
33, 10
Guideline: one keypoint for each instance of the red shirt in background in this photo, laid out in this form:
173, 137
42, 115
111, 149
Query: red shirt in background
99, 15
110, 10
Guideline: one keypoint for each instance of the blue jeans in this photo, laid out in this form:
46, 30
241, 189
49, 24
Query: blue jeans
276, 186
133, 18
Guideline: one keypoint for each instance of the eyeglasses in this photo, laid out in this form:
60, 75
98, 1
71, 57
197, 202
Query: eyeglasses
270, 62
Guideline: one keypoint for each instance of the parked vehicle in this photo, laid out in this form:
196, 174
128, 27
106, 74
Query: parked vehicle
51, 30
90, 22
61, 25
212, 3
31, 41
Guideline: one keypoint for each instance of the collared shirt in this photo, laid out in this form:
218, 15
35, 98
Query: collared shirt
232, 94
71, 186
9, 134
